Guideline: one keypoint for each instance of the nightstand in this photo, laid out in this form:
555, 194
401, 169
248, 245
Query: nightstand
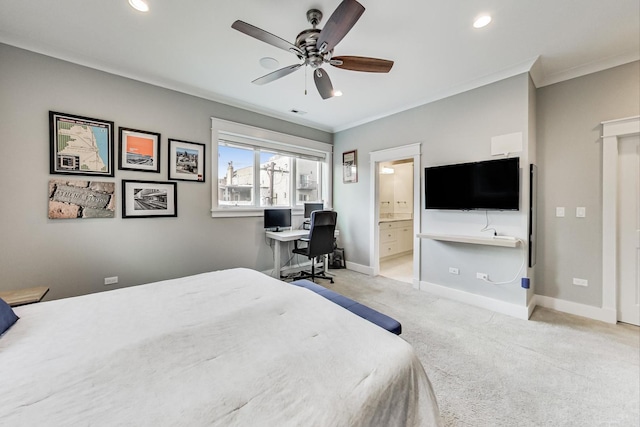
24, 296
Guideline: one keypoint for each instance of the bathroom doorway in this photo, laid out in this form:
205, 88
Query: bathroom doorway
395, 219
407, 215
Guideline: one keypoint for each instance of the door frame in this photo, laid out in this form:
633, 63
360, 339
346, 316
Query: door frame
612, 132
390, 154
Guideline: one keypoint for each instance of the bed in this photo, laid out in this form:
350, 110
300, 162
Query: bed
226, 348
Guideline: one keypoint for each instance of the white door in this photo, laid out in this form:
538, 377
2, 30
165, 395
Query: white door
629, 230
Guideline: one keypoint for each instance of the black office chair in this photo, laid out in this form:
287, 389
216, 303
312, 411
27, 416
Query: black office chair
321, 241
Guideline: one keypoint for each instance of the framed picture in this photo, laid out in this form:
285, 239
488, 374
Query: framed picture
147, 199
186, 161
350, 166
139, 150
80, 145
69, 198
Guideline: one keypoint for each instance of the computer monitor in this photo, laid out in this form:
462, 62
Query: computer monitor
276, 219
310, 207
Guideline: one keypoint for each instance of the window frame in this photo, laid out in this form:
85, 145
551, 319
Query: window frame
241, 134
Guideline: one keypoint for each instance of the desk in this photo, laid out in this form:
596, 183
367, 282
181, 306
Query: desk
283, 236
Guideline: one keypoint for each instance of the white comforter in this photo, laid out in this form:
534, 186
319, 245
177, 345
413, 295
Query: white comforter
227, 348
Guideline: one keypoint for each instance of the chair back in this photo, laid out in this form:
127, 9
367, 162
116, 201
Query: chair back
321, 232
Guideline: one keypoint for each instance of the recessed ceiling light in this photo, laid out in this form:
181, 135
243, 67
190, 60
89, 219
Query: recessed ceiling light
269, 63
140, 5
337, 92
482, 21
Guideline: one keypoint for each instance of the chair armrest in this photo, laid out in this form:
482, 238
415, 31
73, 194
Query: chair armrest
303, 239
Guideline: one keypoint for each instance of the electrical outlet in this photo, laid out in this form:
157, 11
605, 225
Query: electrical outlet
580, 282
482, 276
454, 270
111, 280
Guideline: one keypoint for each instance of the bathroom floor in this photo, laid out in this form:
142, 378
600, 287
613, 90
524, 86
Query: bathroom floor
398, 268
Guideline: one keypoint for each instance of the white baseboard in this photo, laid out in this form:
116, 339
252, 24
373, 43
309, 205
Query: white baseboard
521, 312
589, 311
364, 269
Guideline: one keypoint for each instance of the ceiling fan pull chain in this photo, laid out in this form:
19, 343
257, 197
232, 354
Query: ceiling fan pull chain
305, 80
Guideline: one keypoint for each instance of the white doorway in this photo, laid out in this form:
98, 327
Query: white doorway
629, 230
403, 154
395, 194
616, 135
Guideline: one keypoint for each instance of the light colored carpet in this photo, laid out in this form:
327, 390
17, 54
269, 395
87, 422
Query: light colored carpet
489, 369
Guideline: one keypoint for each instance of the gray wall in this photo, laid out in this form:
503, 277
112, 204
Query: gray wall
570, 166
562, 123
73, 257
453, 130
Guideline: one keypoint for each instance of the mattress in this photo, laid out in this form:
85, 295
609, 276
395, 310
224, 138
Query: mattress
226, 348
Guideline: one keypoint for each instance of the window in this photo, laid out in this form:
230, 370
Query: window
309, 174
235, 175
255, 168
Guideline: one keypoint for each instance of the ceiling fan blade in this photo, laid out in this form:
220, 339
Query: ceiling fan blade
275, 75
323, 83
265, 36
340, 22
362, 63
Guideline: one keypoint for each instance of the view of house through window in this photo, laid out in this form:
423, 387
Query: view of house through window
275, 179
235, 176
308, 182
259, 168
282, 179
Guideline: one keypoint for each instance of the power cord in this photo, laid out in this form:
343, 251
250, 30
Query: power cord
486, 226
519, 269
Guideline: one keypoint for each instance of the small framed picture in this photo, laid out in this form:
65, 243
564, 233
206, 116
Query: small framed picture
186, 161
80, 145
349, 166
147, 199
139, 150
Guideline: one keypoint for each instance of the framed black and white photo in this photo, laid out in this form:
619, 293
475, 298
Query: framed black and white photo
80, 145
148, 199
186, 161
349, 166
139, 150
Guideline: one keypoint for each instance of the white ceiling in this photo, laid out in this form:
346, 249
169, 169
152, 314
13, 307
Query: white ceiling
189, 46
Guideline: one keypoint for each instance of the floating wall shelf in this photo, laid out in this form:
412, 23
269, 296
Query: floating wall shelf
475, 240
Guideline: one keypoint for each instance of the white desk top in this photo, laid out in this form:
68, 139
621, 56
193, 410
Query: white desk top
287, 235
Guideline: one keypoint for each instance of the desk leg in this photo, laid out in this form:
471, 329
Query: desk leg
276, 258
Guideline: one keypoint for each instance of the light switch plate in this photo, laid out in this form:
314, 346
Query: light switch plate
560, 211
581, 212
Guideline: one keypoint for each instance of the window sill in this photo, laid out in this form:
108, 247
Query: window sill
239, 212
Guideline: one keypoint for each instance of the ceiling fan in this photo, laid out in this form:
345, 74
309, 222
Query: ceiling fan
315, 47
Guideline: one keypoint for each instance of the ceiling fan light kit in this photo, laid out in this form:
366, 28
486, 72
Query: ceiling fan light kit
314, 47
139, 5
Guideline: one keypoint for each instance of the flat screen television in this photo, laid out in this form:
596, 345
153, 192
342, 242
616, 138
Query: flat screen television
487, 185
276, 219
310, 207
